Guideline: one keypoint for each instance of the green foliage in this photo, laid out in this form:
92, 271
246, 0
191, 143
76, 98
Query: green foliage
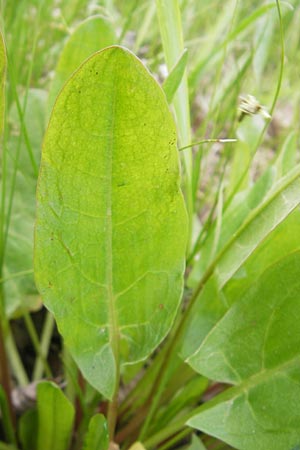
97, 434
173, 80
256, 348
28, 427
5, 416
90, 36
55, 418
2, 81
121, 311
149, 354
20, 291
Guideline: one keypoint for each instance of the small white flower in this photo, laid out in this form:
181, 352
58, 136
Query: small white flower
249, 105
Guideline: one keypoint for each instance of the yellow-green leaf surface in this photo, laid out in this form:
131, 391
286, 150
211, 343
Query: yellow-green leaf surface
90, 36
111, 223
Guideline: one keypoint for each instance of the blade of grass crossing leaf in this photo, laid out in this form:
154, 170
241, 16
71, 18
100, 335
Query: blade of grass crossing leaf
55, 418
169, 18
174, 78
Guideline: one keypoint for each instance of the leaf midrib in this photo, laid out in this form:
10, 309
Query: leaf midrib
112, 313
255, 213
254, 380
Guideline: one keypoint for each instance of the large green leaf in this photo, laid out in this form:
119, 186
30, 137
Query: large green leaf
255, 346
90, 36
111, 223
55, 418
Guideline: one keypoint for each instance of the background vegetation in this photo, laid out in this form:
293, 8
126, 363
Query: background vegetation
234, 48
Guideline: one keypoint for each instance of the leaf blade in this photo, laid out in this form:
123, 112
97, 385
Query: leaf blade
173, 80
97, 434
255, 347
114, 223
89, 36
55, 417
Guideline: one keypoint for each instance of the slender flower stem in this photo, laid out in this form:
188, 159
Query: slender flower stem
207, 141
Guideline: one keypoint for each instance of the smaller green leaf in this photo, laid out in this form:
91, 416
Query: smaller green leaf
196, 444
28, 428
174, 78
55, 418
97, 435
90, 36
